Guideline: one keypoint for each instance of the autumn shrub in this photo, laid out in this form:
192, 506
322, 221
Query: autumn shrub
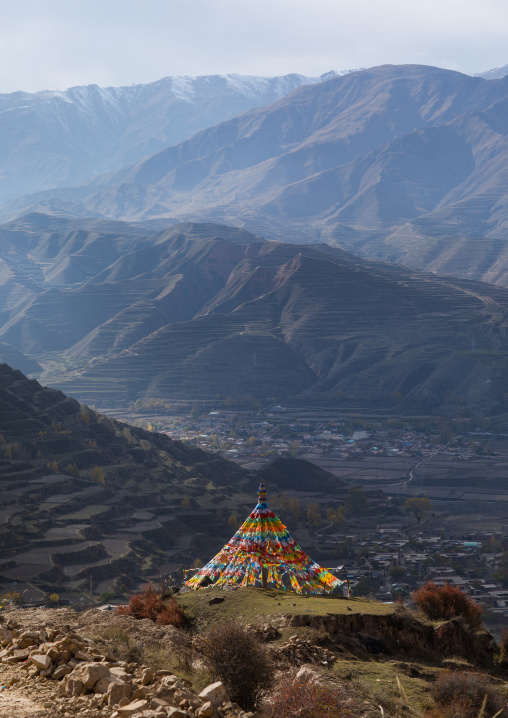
462, 695
238, 659
149, 604
445, 602
305, 698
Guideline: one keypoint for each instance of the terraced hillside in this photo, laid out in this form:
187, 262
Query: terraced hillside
204, 311
82, 495
85, 497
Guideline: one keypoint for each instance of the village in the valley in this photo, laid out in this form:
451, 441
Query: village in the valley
458, 534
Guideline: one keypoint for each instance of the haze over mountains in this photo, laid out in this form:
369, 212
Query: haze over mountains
405, 163
200, 311
63, 138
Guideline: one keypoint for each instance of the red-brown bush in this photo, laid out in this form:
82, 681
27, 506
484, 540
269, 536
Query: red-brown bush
149, 604
307, 699
445, 602
461, 695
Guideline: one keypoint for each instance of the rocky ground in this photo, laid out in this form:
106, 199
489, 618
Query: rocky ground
49, 667
56, 663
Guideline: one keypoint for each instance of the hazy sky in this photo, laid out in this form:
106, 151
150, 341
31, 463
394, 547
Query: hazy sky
56, 44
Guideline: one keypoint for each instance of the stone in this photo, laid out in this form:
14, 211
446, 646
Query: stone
66, 645
5, 636
82, 656
18, 655
146, 677
206, 711
215, 693
72, 686
60, 672
140, 693
90, 673
132, 709
46, 672
41, 661
124, 702
118, 691
176, 713
158, 704
121, 673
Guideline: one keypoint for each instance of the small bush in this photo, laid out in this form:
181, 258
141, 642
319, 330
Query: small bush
149, 604
445, 602
306, 699
239, 660
462, 694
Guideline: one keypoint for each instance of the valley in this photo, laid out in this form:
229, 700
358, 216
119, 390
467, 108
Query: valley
115, 313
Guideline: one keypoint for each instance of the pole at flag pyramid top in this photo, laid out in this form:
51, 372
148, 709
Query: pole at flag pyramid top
263, 553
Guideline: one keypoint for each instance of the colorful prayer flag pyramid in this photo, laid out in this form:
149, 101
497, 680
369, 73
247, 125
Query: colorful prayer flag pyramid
262, 548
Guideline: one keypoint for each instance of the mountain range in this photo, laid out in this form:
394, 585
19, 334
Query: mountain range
63, 138
114, 313
405, 163
495, 73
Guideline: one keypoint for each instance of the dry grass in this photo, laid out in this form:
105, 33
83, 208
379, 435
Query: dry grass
253, 605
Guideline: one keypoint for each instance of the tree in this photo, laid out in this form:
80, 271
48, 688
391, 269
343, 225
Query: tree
419, 506
362, 588
336, 516
233, 522
186, 503
356, 502
314, 514
397, 572
294, 507
98, 474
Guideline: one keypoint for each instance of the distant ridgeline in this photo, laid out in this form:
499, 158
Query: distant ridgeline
117, 312
404, 163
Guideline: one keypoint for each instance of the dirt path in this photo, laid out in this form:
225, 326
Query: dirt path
13, 704
22, 699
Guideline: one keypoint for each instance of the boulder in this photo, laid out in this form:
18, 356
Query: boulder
140, 693
121, 673
60, 672
71, 686
117, 691
90, 673
82, 656
146, 677
158, 703
132, 709
206, 711
176, 713
215, 693
41, 661
18, 655
102, 685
